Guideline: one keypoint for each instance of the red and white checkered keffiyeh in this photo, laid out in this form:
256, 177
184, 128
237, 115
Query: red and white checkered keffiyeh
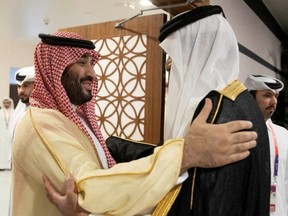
50, 62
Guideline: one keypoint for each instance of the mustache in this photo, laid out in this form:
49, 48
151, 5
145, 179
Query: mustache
87, 78
271, 107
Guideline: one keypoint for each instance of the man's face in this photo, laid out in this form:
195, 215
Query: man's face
6, 104
77, 80
267, 102
24, 91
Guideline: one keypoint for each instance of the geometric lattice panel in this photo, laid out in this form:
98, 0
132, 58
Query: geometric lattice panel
121, 73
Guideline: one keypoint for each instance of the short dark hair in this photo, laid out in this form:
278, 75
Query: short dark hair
253, 93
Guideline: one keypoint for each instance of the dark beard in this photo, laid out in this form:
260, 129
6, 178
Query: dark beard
74, 90
25, 100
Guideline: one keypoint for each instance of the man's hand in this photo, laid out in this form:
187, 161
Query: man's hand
67, 203
208, 145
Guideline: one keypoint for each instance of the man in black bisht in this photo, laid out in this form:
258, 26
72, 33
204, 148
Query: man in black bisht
205, 57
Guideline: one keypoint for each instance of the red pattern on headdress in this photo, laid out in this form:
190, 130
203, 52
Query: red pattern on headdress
49, 93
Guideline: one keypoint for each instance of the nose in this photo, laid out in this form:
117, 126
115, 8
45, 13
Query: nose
274, 100
89, 71
20, 89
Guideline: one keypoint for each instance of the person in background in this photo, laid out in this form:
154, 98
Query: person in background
24, 78
5, 119
265, 90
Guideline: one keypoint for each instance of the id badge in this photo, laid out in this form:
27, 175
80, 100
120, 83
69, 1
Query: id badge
273, 197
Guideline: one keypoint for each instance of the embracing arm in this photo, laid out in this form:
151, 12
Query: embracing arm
206, 145
56, 147
215, 145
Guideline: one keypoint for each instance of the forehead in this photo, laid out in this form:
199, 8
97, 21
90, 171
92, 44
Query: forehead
27, 83
267, 92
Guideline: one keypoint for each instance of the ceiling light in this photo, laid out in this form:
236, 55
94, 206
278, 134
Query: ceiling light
130, 5
145, 2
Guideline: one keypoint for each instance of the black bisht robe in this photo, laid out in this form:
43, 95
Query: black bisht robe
238, 189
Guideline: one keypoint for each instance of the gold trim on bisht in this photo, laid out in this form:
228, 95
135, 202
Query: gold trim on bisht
165, 204
233, 89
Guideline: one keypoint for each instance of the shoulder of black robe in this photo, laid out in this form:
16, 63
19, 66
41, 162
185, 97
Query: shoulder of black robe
238, 189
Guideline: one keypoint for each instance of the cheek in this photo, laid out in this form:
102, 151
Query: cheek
263, 105
29, 91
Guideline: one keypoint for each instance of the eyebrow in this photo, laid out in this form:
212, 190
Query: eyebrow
270, 93
86, 55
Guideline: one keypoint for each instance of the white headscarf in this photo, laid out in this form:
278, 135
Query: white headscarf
262, 82
25, 74
204, 57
